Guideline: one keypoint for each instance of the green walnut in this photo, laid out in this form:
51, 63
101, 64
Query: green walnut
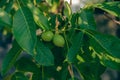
47, 36
58, 40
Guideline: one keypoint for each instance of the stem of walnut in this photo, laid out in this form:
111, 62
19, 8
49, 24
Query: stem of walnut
56, 27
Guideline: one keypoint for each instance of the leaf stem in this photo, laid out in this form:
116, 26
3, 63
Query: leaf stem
56, 27
71, 71
66, 41
19, 4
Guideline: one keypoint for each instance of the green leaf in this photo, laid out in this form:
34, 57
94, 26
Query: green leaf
24, 2
11, 57
39, 18
74, 19
88, 64
19, 76
38, 1
87, 19
51, 72
67, 10
25, 64
5, 19
24, 29
110, 61
64, 74
110, 7
37, 76
49, 2
106, 47
75, 47
91, 70
9, 6
106, 44
43, 55
2, 2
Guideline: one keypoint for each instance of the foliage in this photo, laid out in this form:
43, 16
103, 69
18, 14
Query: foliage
83, 54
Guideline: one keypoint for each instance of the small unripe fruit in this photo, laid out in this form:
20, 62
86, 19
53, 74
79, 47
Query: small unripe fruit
47, 36
58, 40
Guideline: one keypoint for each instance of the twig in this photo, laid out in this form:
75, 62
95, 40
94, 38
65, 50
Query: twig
71, 71
113, 19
